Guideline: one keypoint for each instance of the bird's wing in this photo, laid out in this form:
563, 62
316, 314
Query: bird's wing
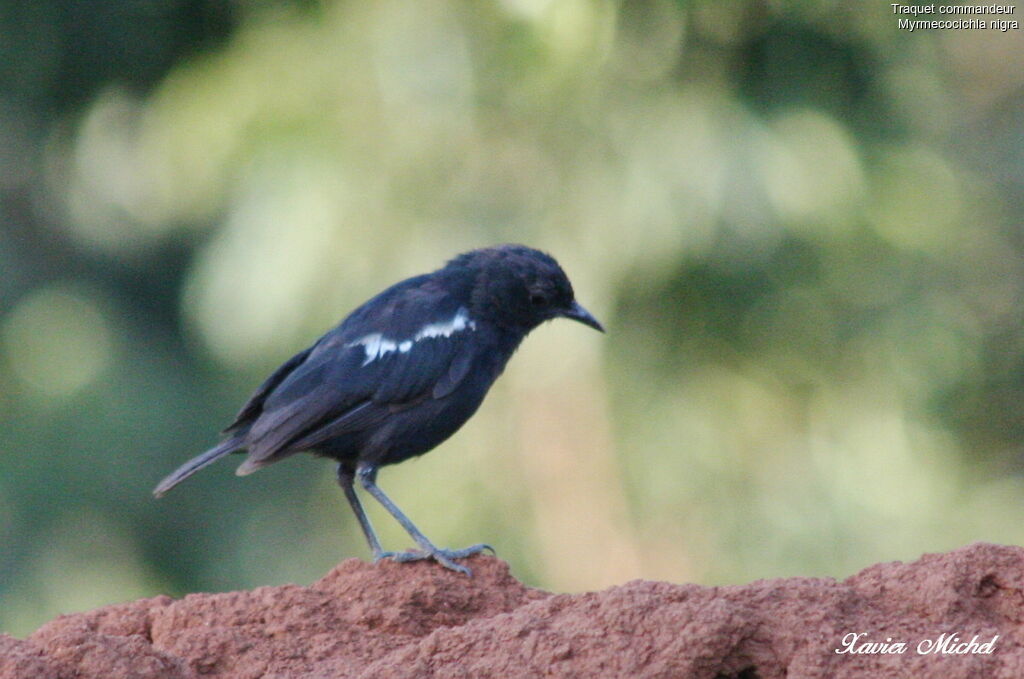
411, 342
254, 406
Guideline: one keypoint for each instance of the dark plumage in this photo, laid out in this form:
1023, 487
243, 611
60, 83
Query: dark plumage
400, 375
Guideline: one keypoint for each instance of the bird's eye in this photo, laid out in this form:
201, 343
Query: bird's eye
538, 299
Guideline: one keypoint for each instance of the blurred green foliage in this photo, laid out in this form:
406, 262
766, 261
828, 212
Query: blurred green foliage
800, 225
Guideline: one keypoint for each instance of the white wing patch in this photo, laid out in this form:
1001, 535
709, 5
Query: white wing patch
459, 322
377, 345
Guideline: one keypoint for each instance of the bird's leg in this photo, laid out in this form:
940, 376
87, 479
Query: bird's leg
346, 477
446, 557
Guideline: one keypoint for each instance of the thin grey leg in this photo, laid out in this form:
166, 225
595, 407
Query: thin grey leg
346, 479
446, 557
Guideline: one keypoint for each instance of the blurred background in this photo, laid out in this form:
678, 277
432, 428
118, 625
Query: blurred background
801, 226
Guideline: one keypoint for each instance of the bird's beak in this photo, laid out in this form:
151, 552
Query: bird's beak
577, 313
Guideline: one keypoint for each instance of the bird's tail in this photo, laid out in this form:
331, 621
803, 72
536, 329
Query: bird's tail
195, 464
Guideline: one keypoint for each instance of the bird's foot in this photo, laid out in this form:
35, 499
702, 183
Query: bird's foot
445, 557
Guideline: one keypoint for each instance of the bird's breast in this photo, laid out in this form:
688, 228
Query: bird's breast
421, 428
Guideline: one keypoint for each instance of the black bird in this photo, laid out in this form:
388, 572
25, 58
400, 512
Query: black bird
400, 375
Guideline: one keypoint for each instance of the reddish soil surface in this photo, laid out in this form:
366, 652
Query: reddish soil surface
419, 620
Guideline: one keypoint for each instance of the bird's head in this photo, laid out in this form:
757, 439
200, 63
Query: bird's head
519, 287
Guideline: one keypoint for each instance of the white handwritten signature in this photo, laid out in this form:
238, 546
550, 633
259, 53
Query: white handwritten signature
855, 643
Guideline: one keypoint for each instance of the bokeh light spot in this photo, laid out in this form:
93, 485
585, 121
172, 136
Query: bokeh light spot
57, 340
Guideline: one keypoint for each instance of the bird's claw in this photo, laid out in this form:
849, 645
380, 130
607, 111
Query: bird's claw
445, 557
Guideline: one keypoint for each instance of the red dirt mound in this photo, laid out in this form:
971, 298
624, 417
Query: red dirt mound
944, 615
